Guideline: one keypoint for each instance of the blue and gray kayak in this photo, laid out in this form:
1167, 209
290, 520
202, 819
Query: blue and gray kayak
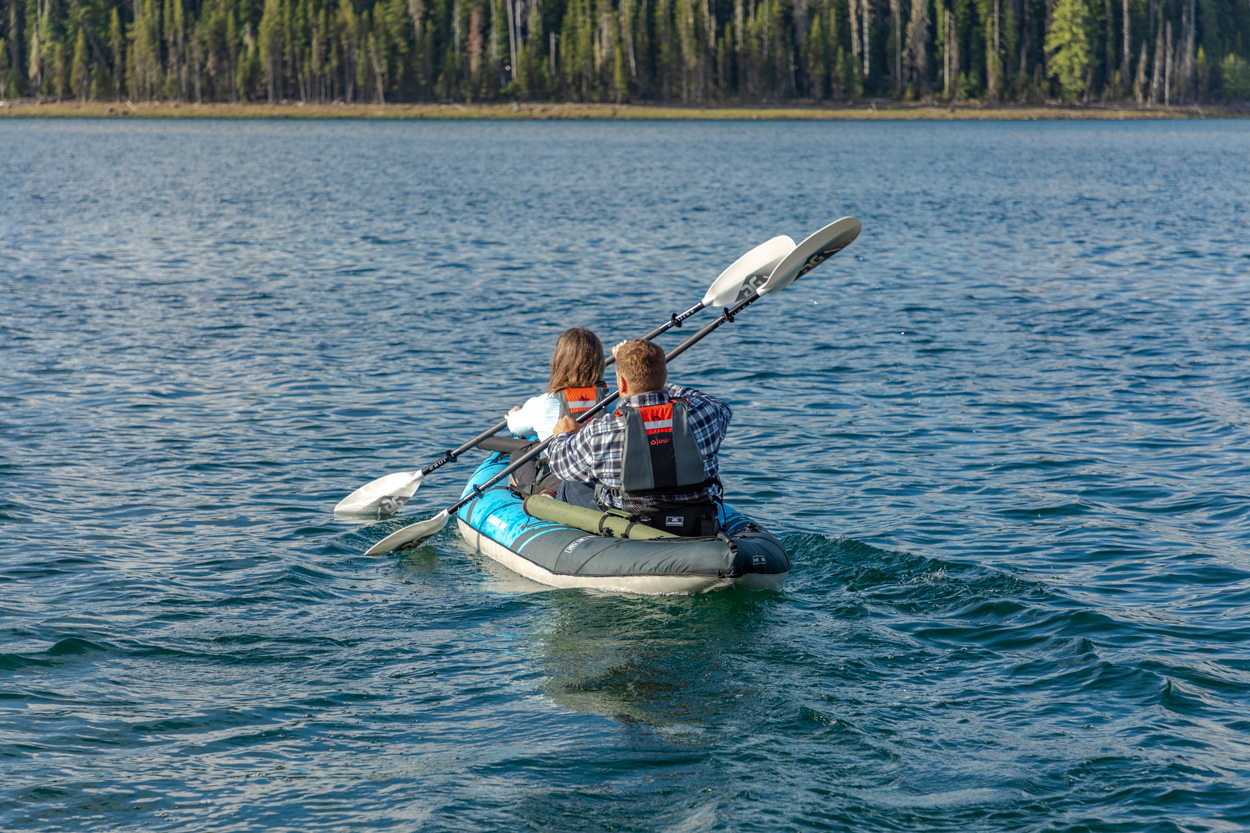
556, 554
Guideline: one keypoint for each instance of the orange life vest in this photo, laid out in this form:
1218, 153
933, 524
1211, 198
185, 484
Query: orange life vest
577, 401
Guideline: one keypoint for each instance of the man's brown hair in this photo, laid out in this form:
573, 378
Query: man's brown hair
642, 363
578, 360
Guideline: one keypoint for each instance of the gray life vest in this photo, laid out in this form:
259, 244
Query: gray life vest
660, 455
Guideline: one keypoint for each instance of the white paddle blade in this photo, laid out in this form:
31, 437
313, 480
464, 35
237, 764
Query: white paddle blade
410, 536
812, 252
746, 274
383, 496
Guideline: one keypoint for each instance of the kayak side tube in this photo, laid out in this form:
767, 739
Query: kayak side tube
560, 556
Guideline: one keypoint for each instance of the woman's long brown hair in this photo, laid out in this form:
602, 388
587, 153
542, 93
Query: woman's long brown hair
578, 361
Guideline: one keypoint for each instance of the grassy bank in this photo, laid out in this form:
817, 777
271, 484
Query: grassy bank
856, 111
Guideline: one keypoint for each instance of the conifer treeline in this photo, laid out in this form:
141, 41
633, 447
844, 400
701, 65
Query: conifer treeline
684, 51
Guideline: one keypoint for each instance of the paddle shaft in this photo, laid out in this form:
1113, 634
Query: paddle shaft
674, 320
727, 316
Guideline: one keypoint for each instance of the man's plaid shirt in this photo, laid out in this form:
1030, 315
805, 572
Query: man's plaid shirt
593, 455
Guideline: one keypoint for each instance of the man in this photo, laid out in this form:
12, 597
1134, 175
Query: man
655, 457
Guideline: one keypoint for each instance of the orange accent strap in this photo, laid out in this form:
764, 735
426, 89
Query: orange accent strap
656, 413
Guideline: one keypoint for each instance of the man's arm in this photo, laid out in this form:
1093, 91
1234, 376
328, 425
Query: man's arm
710, 415
570, 454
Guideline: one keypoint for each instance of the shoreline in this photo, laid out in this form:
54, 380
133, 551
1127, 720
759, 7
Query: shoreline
537, 111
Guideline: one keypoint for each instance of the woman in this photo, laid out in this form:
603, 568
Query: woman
576, 383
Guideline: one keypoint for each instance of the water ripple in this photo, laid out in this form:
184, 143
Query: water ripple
1001, 436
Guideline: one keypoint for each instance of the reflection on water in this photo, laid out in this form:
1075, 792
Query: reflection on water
671, 663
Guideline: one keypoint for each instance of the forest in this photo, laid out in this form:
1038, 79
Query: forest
690, 52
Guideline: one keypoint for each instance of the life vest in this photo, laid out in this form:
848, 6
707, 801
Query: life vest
660, 456
577, 401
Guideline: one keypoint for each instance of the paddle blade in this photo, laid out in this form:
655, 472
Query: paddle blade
746, 274
812, 252
412, 535
383, 496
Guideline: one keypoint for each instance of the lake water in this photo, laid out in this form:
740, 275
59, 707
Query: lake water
1004, 436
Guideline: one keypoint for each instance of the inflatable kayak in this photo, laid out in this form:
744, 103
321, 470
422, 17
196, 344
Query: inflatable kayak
496, 524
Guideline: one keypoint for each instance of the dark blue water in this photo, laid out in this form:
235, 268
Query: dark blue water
1004, 437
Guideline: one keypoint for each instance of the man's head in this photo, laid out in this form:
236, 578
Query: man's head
640, 367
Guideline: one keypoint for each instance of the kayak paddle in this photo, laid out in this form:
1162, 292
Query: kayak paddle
388, 493
812, 252
823, 244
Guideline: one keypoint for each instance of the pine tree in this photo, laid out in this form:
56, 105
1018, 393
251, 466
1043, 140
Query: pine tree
249, 64
80, 73
1236, 78
270, 43
664, 51
1068, 42
620, 78
499, 47
583, 50
196, 46
993, 51
686, 35
348, 30
724, 61
420, 56
44, 55
816, 56
1203, 68
298, 39
117, 51
175, 40
363, 57
853, 7
536, 74
473, 81
317, 56
60, 69
865, 20
896, 44
1139, 86
627, 14
233, 64
1126, 30
376, 64
146, 51
34, 69
1156, 77
848, 75
917, 55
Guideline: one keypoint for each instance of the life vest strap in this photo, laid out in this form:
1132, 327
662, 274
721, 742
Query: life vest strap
694, 487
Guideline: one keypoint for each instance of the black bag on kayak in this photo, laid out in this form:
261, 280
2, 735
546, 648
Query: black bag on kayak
533, 477
697, 520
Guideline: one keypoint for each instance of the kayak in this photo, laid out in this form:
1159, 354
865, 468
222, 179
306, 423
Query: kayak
495, 523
